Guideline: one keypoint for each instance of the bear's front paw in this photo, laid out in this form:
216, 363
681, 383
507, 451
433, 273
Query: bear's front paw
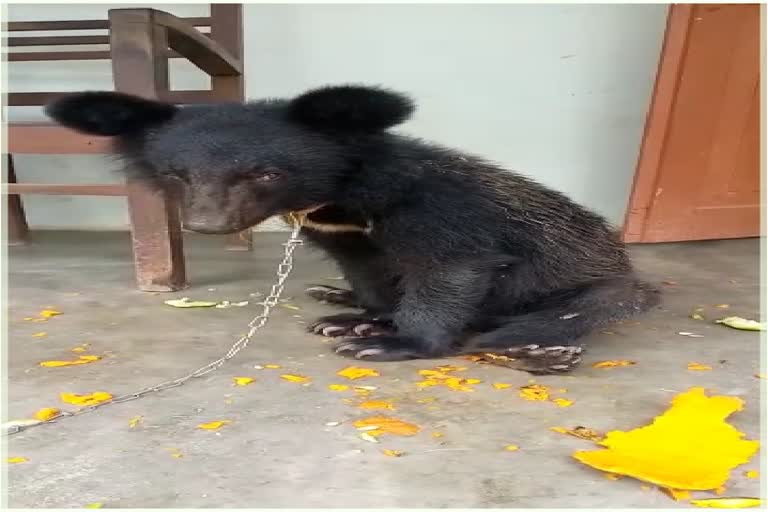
537, 360
332, 295
351, 325
382, 348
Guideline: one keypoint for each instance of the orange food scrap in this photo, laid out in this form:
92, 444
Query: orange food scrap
214, 425
613, 364
580, 432
80, 360
698, 366
688, 447
243, 381
47, 413
511, 448
387, 425
472, 358
86, 400
354, 372
448, 368
16, 460
752, 473
534, 392
377, 404
678, 494
728, 503
563, 402
338, 387
501, 385
49, 313
720, 490
295, 378
441, 376
393, 453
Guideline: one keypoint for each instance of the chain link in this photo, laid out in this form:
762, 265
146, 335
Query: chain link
272, 299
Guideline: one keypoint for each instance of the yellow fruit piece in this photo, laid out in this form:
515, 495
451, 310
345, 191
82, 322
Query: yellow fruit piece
185, 302
338, 387
214, 425
40, 335
80, 360
16, 460
511, 447
736, 322
354, 372
377, 404
562, 402
388, 425
272, 366
295, 378
393, 453
698, 366
447, 368
47, 413
94, 505
49, 313
133, 422
243, 381
613, 364
580, 432
84, 400
752, 474
727, 503
688, 447
437, 435
501, 385
678, 494
534, 392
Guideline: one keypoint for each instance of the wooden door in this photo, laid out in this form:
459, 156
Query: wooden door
698, 175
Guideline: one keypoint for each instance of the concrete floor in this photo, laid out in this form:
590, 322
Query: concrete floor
278, 451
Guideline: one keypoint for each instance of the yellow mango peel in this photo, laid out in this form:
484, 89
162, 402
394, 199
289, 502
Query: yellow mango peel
688, 447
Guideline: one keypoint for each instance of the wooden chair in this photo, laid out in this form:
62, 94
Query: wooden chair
140, 43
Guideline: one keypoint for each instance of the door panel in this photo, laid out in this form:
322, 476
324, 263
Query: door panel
699, 170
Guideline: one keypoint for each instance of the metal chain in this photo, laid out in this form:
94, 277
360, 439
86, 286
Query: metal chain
283, 270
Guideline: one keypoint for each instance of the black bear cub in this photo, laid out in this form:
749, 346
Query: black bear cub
445, 253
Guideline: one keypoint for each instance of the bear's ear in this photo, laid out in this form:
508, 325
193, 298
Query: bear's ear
108, 113
350, 108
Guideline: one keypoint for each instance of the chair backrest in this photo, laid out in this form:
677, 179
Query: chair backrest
224, 25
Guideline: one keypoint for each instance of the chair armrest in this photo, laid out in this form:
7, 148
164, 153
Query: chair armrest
185, 39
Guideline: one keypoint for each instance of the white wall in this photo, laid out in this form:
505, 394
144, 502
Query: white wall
558, 92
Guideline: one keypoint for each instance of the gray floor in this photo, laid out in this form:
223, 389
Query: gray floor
278, 451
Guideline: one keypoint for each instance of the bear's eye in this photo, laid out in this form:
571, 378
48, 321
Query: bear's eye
268, 175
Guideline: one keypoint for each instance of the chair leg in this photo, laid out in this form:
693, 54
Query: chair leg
157, 239
18, 230
242, 241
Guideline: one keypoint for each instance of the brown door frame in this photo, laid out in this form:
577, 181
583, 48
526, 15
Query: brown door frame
648, 168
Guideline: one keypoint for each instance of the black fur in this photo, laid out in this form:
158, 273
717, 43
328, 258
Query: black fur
446, 253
